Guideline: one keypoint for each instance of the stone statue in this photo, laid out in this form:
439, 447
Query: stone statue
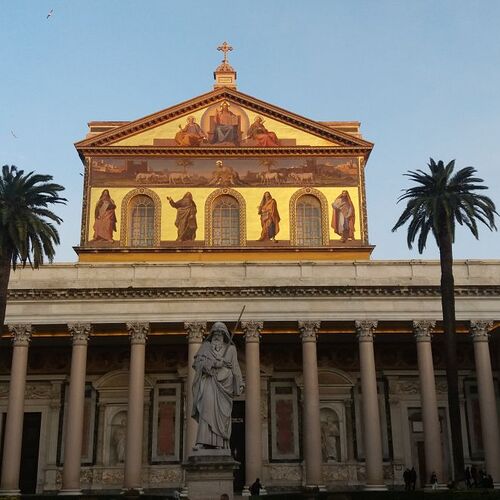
119, 438
330, 437
217, 380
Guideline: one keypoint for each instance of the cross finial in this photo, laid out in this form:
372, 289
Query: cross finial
225, 47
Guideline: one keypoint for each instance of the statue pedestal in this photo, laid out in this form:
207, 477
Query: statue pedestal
209, 474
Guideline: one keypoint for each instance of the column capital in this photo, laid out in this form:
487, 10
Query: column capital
80, 332
309, 330
195, 331
252, 330
479, 330
422, 330
138, 332
365, 329
21, 334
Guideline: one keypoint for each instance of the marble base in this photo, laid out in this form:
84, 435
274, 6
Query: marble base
10, 493
209, 473
375, 487
70, 492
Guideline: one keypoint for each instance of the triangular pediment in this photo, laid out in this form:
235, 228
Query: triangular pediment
221, 118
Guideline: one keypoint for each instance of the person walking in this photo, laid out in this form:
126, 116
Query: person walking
413, 478
434, 481
406, 478
468, 478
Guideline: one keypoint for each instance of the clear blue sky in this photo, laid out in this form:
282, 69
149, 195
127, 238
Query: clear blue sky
423, 78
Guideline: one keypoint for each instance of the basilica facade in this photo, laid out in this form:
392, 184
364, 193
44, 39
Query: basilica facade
217, 205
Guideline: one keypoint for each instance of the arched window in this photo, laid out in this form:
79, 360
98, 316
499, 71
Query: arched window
225, 221
309, 221
141, 216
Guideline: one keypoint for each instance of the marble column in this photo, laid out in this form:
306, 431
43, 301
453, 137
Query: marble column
430, 417
370, 414
195, 332
76, 401
312, 425
253, 420
13, 432
487, 399
135, 416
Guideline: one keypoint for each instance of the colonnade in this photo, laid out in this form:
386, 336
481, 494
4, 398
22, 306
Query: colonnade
370, 417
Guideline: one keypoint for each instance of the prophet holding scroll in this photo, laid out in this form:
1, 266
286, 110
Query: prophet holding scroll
217, 380
105, 218
185, 222
259, 133
343, 216
269, 218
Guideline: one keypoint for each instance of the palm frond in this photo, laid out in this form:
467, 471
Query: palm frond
27, 225
441, 198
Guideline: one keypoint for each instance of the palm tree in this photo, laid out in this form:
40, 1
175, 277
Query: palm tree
27, 232
439, 200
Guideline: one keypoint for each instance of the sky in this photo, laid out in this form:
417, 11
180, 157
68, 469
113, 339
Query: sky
423, 78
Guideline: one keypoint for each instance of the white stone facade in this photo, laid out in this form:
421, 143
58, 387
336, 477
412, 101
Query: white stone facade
335, 298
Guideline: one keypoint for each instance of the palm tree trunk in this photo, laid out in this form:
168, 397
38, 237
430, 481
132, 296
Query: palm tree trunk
4, 283
449, 328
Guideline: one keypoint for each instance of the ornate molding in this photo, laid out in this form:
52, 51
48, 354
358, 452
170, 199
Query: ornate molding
138, 332
309, 330
84, 230
252, 330
325, 233
479, 330
125, 215
80, 332
161, 151
226, 191
195, 331
21, 334
386, 292
422, 329
365, 330
362, 197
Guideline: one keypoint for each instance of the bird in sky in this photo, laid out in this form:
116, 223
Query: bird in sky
51, 11
13, 135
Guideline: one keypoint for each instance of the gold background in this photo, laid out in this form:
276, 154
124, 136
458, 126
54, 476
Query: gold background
252, 196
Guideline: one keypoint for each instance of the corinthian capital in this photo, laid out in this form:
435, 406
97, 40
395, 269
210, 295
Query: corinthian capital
138, 332
195, 331
80, 332
479, 330
422, 329
309, 330
21, 334
365, 330
252, 330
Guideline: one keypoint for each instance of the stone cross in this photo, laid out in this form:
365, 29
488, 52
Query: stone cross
225, 47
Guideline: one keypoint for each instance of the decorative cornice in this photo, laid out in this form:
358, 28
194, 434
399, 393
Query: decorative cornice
479, 330
195, 331
309, 330
252, 330
80, 332
138, 332
54, 294
21, 334
422, 330
228, 151
365, 330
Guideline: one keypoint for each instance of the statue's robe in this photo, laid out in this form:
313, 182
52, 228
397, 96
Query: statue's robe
213, 392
